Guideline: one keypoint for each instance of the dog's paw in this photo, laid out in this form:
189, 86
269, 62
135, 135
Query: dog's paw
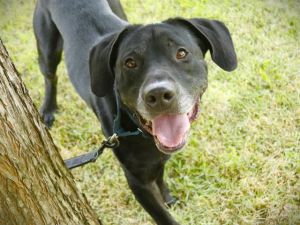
170, 200
48, 117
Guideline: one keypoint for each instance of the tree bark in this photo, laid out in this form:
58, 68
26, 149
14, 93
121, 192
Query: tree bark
35, 186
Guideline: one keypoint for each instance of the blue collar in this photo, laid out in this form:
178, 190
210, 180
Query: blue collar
117, 127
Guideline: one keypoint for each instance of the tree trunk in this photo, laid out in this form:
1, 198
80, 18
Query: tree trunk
35, 186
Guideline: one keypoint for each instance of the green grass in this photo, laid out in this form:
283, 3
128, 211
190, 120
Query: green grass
242, 163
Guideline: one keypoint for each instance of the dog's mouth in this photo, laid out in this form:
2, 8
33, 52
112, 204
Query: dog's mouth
170, 131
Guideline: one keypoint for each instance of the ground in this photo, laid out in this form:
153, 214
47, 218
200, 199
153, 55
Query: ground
242, 163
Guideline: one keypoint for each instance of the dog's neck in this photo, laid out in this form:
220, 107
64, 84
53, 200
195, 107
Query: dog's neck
126, 122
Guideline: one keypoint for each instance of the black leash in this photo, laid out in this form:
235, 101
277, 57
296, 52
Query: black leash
111, 142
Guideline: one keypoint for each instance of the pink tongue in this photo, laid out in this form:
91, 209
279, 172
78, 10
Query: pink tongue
170, 129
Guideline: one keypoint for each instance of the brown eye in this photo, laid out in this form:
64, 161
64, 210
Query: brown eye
130, 63
181, 53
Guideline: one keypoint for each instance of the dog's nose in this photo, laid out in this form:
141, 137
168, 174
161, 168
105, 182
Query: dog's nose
159, 97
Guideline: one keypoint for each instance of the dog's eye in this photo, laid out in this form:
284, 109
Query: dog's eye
130, 63
181, 53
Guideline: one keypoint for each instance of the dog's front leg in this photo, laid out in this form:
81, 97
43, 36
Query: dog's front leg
149, 196
168, 198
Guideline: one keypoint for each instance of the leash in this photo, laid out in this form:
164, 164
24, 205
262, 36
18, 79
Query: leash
110, 142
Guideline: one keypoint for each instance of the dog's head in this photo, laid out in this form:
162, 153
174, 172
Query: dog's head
160, 72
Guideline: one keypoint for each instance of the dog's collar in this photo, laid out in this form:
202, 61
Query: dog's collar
117, 127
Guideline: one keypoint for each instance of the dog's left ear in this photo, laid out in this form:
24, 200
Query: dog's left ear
102, 61
217, 38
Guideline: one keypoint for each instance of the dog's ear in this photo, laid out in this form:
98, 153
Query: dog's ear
101, 63
216, 38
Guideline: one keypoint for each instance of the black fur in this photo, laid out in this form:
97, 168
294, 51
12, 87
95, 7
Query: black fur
98, 42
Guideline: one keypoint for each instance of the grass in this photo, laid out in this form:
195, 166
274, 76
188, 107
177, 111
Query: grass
242, 163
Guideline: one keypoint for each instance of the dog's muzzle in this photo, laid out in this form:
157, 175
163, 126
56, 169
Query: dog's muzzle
169, 124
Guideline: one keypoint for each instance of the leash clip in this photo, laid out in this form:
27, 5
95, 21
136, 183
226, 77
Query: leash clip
112, 141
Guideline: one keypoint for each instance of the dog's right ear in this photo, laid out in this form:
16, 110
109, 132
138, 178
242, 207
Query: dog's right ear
216, 37
101, 63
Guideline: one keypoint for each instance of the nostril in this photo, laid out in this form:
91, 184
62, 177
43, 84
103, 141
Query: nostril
168, 96
151, 99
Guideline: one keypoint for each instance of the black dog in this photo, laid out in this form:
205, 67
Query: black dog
151, 76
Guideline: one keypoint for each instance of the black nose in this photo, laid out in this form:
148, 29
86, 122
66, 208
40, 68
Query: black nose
159, 97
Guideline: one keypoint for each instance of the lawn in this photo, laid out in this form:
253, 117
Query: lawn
242, 163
